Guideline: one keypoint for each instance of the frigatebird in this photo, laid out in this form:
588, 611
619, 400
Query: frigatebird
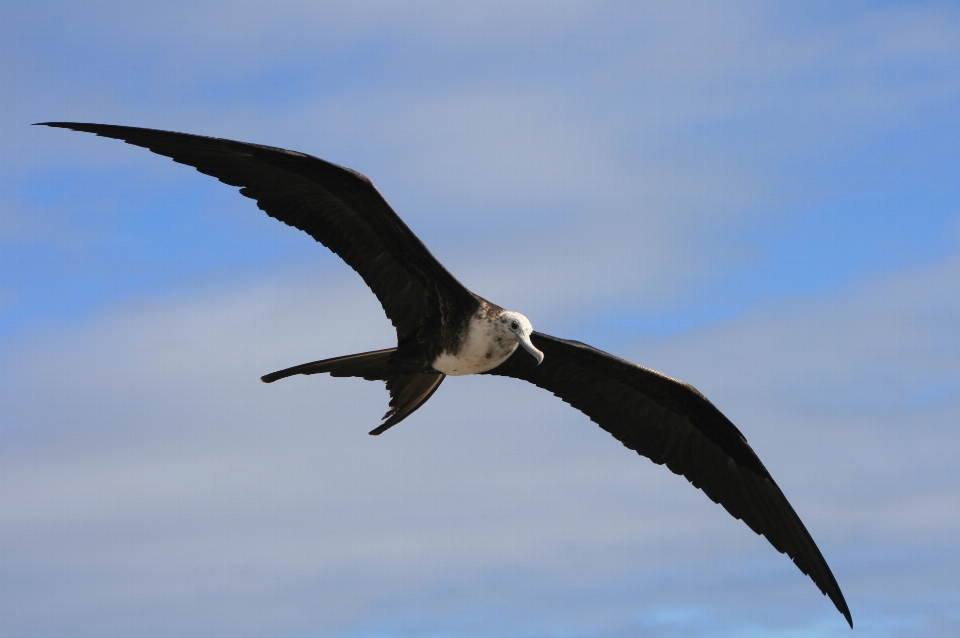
444, 329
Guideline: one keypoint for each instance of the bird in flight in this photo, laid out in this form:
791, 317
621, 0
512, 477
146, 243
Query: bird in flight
444, 329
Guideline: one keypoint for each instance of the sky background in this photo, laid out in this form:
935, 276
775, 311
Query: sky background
762, 199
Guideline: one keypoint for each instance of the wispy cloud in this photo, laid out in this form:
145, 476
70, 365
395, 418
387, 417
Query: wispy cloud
148, 435
760, 200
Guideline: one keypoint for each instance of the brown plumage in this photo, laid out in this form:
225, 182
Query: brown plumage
438, 320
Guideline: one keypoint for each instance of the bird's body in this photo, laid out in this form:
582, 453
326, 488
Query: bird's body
444, 329
486, 342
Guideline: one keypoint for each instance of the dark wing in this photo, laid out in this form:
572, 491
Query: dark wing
671, 423
338, 207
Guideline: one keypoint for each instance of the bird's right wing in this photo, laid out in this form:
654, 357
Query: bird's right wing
338, 207
672, 424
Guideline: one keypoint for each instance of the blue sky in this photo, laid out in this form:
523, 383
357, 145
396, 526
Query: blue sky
758, 198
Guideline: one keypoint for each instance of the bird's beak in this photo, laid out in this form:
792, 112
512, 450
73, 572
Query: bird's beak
528, 346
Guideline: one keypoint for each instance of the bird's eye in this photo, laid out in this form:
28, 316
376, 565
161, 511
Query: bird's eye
514, 325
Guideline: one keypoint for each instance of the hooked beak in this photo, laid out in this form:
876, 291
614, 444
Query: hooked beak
528, 346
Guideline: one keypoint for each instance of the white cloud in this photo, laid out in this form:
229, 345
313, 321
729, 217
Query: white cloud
149, 483
619, 160
144, 458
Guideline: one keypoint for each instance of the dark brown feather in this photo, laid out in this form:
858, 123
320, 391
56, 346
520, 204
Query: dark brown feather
338, 207
409, 389
671, 423
661, 418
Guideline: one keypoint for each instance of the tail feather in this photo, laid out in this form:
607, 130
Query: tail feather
407, 393
408, 390
372, 366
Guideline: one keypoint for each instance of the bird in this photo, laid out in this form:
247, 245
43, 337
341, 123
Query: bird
444, 329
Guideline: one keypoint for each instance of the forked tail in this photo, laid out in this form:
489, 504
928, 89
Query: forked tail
408, 390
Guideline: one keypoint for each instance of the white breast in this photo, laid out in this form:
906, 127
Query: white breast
484, 348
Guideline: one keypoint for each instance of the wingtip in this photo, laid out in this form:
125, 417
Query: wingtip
841, 605
82, 127
389, 422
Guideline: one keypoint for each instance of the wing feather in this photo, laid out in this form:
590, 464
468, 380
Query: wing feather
671, 423
338, 207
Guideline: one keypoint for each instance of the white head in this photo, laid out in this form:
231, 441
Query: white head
520, 327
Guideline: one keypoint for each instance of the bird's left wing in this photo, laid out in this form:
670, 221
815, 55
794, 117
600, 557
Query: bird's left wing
338, 207
671, 423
